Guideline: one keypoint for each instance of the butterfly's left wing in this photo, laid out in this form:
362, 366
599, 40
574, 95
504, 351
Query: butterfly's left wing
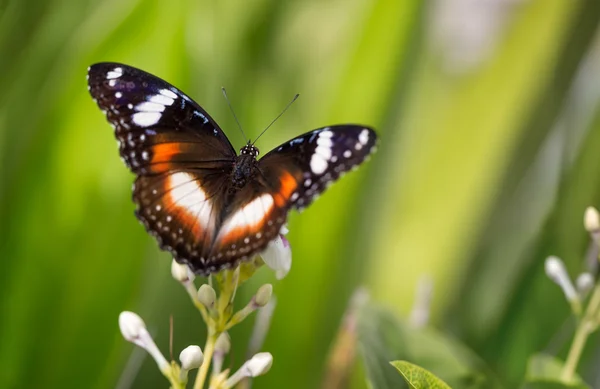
291, 175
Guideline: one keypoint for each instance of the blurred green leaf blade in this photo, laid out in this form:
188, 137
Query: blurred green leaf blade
544, 369
383, 337
418, 378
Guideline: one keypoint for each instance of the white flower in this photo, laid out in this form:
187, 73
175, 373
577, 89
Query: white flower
191, 357
207, 296
134, 330
278, 255
556, 271
591, 219
584, 283
259, 364
263, 295
181, 273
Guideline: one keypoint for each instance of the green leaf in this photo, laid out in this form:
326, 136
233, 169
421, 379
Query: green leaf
543, 371
417, 377
383, 337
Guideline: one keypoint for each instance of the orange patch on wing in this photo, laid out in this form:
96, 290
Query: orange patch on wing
164, 152
288, 185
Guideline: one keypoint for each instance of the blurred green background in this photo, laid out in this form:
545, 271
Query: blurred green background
489, 118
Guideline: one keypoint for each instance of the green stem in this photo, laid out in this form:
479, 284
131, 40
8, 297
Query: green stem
209, 349
174, 377
586, 326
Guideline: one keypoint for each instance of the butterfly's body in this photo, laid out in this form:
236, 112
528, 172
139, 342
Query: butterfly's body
245, 168
207, 205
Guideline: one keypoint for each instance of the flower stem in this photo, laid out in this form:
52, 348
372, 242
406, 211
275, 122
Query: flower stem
586, 326
209, 349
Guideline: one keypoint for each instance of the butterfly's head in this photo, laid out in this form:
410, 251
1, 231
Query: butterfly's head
249, 149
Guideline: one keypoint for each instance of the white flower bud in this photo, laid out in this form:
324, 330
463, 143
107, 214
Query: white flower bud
259, 364
134, 330
223, 344
556, 271
131, 326
584, 283
591, 219
180, 272
191, 357
207, 295
263, 295
222, 347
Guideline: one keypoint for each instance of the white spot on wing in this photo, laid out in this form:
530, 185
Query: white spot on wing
149, 107
318, 165
168, 93
161, 99
146, 118
324, 141
324, 152
363, 137
115, 73
325, 134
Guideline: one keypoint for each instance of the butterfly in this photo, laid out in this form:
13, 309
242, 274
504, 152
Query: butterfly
207, 205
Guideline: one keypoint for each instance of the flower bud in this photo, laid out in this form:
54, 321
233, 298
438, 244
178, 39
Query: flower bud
181, 272
556, 271
191, 357
207, 296
222, 347
263, 295
591, 219
584, 283
134, 330
259, 364
223, 344
131, 326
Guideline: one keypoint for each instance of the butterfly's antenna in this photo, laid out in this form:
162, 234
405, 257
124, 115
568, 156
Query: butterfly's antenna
231, 108
278, 116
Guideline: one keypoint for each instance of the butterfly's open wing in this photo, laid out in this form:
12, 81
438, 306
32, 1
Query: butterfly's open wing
301, 169
291, 175
181, 156
158, 127
182, 210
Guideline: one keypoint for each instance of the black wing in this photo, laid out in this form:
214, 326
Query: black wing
158, 127
182, 158
301, 169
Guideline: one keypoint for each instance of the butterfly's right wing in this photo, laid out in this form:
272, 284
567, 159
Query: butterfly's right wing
158, 127
300, 170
